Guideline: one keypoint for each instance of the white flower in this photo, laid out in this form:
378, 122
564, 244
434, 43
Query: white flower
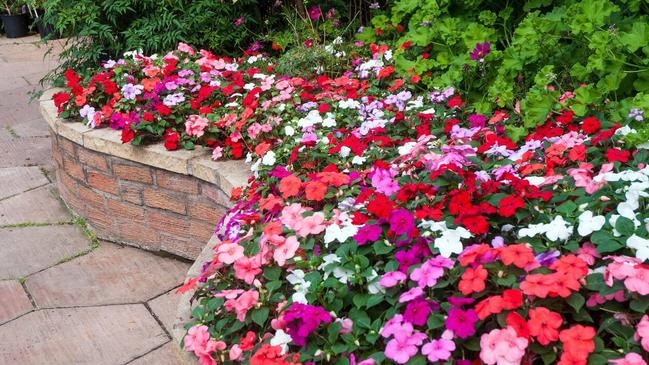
589, 223
344, 151
289, 131
449, 242
373, 283
282, 339
301, 286
558, 229
406, 148
358, 160
641, 245
339, 233
269, 158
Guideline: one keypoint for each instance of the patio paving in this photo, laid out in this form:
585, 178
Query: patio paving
66, 298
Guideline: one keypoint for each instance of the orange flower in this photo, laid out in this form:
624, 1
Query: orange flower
578, 341
473, 280
270, 202
544, 325
290, 186
262, 148
149, 84
315, 190
519, 255
336, 179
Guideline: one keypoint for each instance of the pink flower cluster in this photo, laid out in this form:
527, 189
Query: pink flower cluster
502, 347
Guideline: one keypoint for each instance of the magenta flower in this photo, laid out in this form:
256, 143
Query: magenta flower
367, 233
417, 312
238, 22
308, 43
304, 319
480, 51
438, 350
315, 12
401, 222
462, 322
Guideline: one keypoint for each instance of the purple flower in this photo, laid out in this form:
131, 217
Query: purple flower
417, 312
460, 301
480, 51
315, 12
367, 233
130, 91
304, 319
462, 322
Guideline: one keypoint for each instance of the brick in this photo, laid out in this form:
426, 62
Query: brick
205, 212
159, 199
66, 180
125, 211
68, 191
103, 182
181, 246
168, 223
138, 234
92, 159
131, 192
133, 173
201, 231
73, 168
99, 219
56, 153
176, 182
215, 194
91, 198
67, 146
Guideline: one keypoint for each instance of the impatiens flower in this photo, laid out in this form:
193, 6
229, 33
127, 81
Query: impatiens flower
247, 269
195, 124
629, 359
198, 341
217, 153
382, 181
228, 253
544, 325
638, 280
313, 224
368, 233
417, 312
578, 341
461, 322
130, 91
641, 245
303, 319
286, 250
473, 280
392, 278
507, 206
589, 223
518, 255
438, 350
401, 222
427, 274
242, 304
290, 186
502, 347
642, 332
315, 190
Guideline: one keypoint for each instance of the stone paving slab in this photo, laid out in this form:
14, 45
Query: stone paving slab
107, 335
165, 355
37, 206
110, 274
164, 307
15, 180
24, 251
25, 152
13, 300
32, 128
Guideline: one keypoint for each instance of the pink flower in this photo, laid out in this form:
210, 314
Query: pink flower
235, 353
292, 214
242, 304
642, 332
630, 359
313, 224
183, 47
217, 153
588, 253
199, 341
411, 294
427, 274
438, 350
228, 293
247, 269
392, 278
382, 181
502, 347
228, 253
405, 343
638, 281
286, 250
195, 124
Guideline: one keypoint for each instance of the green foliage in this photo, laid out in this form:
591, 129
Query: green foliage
540, 49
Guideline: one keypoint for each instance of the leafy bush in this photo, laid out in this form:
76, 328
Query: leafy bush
596, 50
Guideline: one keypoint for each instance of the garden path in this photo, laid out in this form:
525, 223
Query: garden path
65, 297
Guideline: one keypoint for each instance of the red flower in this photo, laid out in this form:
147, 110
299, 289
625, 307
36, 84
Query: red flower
476, 224
455, 101
509, 204
578, 341
60, 99
616, 154
315, 190
127, 133
380, 206
578, 153
591, 125
290, 186
473, 280
517, 322
171, 140
544, 325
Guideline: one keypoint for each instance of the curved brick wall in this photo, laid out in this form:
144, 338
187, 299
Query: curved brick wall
159, 205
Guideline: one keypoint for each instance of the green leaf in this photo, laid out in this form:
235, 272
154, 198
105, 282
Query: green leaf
272, 273
576, 301
625, 226
605, 242
640, 304
417, 360
260, 315
567, 207
380, 248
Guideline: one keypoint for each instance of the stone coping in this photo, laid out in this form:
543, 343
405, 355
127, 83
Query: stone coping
198, 163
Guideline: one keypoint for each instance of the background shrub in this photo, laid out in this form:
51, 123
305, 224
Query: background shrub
539, 49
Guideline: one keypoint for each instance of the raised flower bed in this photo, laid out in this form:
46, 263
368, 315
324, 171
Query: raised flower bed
145, 197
